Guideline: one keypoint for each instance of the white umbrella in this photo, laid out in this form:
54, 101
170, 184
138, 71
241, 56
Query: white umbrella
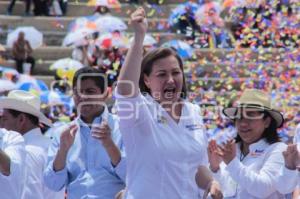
66, 64
110, 24
148, 40
6, 85
34, 36
77, 37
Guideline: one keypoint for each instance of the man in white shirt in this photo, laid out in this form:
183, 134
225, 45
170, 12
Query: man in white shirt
12, 155
21, 113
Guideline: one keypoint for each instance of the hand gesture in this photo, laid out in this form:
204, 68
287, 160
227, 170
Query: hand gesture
228, 151
291, 157
102, 132
213, 156
138, 21
67, 137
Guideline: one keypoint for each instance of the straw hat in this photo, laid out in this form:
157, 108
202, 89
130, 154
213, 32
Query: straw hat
256, 99
25, 102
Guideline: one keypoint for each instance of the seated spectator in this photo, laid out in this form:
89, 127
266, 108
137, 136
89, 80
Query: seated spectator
12, 4
22, 53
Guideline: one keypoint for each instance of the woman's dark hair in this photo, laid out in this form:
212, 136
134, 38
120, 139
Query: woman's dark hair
270, 134
147, 65
33, 119
95, 74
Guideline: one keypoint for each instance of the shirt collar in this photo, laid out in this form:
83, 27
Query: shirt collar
30, 135
104, 115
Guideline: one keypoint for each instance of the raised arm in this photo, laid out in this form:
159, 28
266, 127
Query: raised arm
128, 81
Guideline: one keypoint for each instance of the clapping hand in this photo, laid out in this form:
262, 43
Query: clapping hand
228, 151
67, 137
291, 157
102, 132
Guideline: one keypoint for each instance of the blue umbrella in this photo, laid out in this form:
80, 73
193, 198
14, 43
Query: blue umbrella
182, 48
29, 84
54, 98
180, 10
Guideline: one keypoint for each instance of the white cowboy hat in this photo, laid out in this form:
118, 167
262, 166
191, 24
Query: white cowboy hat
25, 102
255, 99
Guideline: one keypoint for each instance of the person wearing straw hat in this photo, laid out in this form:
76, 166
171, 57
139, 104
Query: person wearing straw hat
86, 156
21, 113
12, 159
248, 166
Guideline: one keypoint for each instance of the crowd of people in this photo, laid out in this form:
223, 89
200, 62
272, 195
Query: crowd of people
232, 23
156, 145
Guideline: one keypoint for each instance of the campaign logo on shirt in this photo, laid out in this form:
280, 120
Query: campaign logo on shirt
257, 153
161, 120
193, 127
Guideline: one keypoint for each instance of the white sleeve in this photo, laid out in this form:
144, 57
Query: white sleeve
287, 180
228, 185
13, 146
132, 111
258, 183
35, 162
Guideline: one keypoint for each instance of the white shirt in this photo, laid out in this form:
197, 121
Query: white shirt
294, 173
12, 144
162, 156
36, 145
287, 180
256, 175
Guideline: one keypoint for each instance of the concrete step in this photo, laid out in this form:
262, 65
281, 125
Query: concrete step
50, 53
227, 56
41, 67
81, 9
196, 69
60, 24
139, 2
55, 39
